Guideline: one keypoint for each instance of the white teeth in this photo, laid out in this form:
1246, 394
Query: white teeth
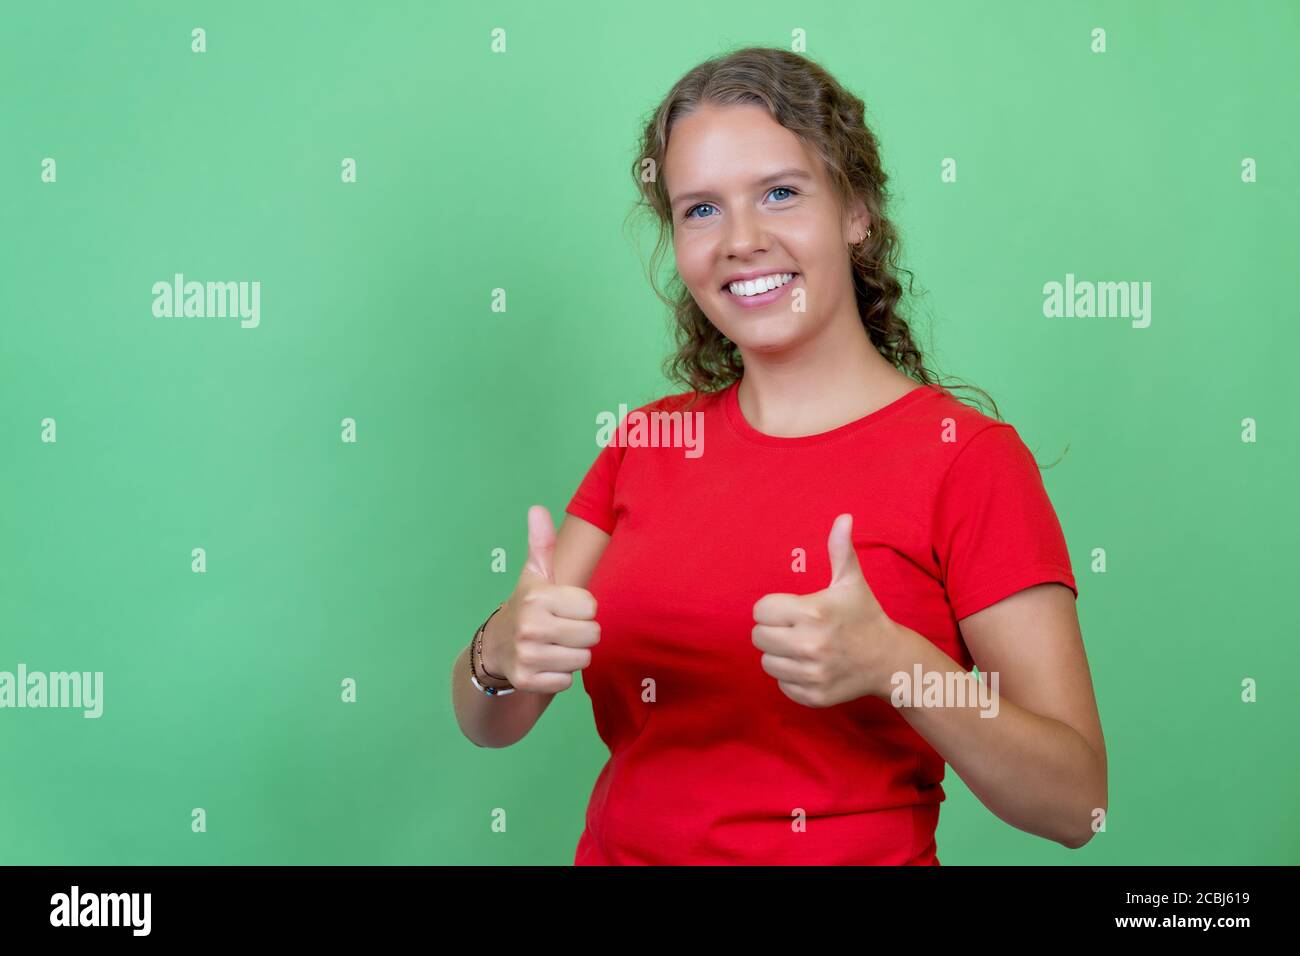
761, 284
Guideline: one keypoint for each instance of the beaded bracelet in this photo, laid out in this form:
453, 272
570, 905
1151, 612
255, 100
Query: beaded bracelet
476, 647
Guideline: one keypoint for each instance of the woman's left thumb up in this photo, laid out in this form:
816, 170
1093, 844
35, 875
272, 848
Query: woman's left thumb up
845, 569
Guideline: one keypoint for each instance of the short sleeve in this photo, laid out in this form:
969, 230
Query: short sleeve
594, 499
995, 530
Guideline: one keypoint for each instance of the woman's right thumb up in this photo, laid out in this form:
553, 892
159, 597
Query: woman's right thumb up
541, 544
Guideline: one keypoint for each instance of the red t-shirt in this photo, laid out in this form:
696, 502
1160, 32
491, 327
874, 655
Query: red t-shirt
949, 516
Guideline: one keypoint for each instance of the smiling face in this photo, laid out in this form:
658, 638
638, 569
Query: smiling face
748, 199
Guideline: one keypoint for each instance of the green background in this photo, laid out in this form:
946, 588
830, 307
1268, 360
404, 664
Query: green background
479, 170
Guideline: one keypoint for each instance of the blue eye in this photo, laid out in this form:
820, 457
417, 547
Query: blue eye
774, 189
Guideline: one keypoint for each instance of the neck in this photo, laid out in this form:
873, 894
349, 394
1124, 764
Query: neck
828, 382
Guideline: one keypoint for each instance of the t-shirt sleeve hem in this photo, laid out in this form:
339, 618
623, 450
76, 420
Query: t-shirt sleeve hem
596, 516
1006, 586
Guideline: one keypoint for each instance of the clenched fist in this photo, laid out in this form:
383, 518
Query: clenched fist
545, 629
834, 645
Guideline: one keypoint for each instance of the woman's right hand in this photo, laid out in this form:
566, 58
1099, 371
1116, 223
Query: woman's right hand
545, 630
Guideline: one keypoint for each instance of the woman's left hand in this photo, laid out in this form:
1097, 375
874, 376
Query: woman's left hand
836, 644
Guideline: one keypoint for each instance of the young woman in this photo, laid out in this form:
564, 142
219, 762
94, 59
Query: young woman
775, 633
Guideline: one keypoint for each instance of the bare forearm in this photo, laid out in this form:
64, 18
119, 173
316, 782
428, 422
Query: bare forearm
498, 721
1033, 772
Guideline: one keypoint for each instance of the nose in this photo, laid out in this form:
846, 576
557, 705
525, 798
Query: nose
745, 236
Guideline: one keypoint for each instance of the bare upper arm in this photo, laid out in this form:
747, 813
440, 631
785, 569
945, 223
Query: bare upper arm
578, 547
1033, 641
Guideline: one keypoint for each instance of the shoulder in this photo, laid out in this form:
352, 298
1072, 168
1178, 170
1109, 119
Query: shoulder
947, 406
959, 424
667, 419
689, 401
955, 442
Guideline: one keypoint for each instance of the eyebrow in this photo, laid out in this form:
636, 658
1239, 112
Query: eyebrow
791, 173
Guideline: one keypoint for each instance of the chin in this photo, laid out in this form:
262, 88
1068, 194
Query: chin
763, 344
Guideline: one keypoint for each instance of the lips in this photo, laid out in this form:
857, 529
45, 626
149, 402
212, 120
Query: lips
759, 274
762, 298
